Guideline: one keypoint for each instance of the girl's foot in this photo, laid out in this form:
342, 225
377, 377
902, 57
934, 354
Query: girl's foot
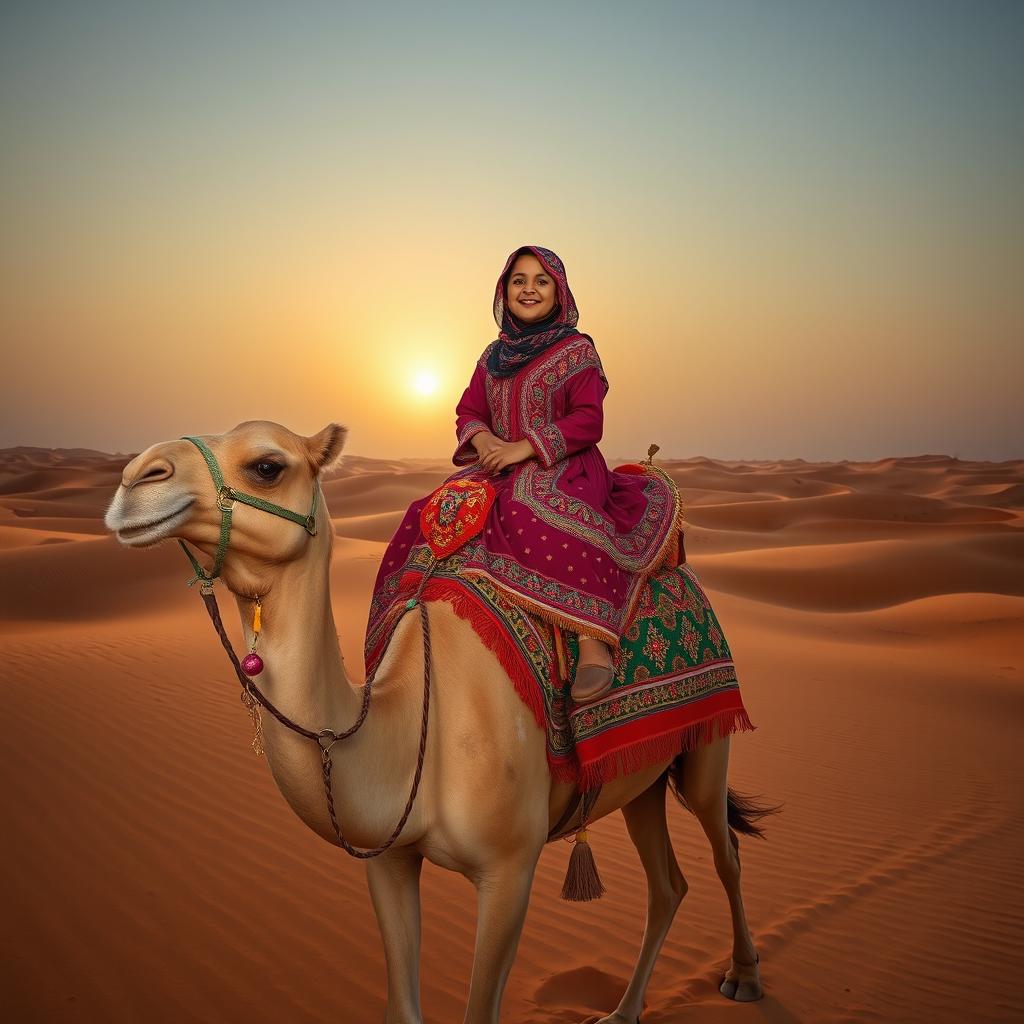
594, 672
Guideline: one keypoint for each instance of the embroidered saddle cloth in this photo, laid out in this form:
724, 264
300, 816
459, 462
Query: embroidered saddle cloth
675, 685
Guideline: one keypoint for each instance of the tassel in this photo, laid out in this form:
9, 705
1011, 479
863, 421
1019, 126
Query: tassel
582, 882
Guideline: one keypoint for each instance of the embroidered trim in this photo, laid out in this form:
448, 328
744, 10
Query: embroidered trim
549, 442
465, 453
541, 383
535, 585
538, 487
499, 398
583, 627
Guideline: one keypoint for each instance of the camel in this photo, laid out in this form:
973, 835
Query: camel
486, 800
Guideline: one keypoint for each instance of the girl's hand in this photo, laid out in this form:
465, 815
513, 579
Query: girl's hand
506, 453
484, 442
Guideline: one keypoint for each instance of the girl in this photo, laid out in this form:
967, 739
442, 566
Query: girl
566, 538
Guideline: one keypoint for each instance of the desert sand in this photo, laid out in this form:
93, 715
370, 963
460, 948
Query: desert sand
152, 871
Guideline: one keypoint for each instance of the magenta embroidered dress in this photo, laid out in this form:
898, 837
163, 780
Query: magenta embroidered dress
566, 538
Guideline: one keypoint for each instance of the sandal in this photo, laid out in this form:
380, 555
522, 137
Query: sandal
592, 682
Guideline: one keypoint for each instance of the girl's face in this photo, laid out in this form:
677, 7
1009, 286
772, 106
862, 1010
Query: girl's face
531, 293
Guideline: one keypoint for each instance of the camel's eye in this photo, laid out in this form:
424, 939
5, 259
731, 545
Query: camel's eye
267, 469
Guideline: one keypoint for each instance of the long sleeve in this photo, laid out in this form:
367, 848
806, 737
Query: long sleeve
472, 415
582, 424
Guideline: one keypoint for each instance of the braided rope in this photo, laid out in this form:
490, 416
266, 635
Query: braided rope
420, 758
326, 738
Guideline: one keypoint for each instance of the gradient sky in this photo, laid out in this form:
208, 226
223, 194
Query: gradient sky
792, 229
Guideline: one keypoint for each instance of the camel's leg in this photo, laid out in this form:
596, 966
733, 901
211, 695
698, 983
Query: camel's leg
394, 880
666, 887
705, 781
503, 894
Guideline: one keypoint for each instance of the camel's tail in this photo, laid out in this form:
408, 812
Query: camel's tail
743, 811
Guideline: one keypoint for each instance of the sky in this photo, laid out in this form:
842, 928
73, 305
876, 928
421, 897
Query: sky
793, 229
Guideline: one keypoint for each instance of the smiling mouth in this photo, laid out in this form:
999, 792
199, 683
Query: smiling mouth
140, 529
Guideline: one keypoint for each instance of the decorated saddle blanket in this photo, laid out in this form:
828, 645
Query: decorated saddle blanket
675, 685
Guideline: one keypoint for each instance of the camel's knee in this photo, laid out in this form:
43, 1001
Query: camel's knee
669, 894
712, 813
726, 858
727, 864
677, 893
677, 880
667, 889
709, 806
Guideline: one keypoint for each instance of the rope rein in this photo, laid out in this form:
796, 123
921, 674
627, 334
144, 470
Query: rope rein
326, 738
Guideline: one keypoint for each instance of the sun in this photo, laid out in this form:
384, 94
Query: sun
425, 382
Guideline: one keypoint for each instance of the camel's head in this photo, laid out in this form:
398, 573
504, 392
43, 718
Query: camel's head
168, 491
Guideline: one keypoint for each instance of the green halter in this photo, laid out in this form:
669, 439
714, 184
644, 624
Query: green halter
225, 496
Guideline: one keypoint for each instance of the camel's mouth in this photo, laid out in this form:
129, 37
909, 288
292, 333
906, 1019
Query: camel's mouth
142, 534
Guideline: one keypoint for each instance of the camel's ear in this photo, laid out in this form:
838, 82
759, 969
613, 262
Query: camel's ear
325, 448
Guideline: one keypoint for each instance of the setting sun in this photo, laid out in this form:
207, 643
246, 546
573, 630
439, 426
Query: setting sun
425, 382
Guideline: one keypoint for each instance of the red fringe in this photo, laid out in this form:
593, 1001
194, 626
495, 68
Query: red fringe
494, 637
639, 755
564, 770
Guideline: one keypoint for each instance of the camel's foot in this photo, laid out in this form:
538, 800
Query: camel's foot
743, 982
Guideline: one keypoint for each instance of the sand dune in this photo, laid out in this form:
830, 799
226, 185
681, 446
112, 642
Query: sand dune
876, 613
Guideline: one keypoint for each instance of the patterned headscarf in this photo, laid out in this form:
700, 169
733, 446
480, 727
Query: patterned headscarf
518, 343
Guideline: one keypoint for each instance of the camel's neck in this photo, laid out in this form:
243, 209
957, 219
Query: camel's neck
304, 676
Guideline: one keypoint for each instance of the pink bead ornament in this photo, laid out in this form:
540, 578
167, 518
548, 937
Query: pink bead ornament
252, 663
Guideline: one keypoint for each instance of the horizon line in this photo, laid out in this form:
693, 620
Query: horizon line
667, 458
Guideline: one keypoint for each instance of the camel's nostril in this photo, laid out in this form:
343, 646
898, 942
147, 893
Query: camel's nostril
158, 469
